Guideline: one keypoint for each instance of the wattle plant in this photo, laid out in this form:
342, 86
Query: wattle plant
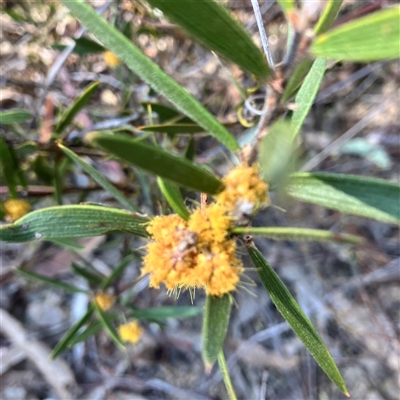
195, 248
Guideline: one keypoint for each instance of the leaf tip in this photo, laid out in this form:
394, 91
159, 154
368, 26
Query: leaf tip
208, 367
91, 137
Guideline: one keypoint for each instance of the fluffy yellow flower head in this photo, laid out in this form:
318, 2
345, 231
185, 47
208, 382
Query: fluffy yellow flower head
197, 253
130, 332
243, 188
211, 224
169, 256
111, 59
16, 208
104, 301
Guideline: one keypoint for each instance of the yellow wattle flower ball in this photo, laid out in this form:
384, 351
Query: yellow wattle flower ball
194, 254
105, 301
111, 59
16, 208
130, 332
211, 224
243, 186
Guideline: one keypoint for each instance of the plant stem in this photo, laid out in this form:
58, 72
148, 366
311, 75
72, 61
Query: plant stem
225, 375
263, 34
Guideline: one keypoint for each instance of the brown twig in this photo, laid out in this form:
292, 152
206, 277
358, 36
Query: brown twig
40, 191
57, 373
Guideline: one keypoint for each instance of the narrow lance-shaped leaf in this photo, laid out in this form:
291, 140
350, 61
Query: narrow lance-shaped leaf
160, 162
67, 243
84, 273
329, 15
276, 153
49, 281
217, 311
293, 314
370, 38
100, 179
303, 234
73, 221
14, 116
164, 112
173, 129
107, 324
67, 339
306, 94
173, 195
367, 197
9, 167
116, 272
161, 313
83, 46
211, 24
91, 329
77, 105
149, 71
296, 78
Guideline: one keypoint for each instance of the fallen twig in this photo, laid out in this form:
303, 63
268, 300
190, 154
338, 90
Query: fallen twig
57, 373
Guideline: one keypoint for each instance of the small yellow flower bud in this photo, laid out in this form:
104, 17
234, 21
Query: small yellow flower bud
16, 208
111, 59
104, 301
130, 332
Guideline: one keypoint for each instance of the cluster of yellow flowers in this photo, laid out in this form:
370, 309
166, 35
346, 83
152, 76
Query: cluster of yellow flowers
104, 300
111, 59
200, 252
129, 332
16, 208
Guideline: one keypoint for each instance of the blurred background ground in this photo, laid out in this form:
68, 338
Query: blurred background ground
352, 294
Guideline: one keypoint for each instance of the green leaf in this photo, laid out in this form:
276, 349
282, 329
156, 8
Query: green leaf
109, 280
303, 234
91, 329
161, 313
84, 273
49, 281
328, 16
9, 167
306, 94
165, 113
211, 24
14, 116
174, 197
296, 78
215, 325
83, 46
190, 151
293, 314
287, 5
67, 243
26, 149
149, 71
76, 106
173, 129
367, 197
276, 153
100, 179
373, 37
66, 340
160, 162
107, 324
73, 221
